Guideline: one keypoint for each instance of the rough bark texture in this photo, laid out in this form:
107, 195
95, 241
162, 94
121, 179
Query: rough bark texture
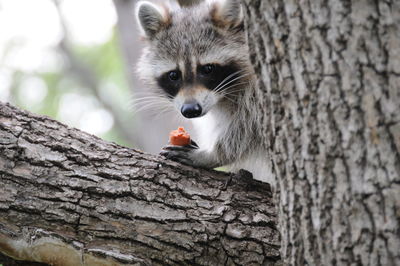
69, 198
329, 75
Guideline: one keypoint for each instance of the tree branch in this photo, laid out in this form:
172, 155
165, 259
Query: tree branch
69, 198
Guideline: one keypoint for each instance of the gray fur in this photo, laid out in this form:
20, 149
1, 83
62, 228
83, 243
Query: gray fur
229, 133
189, 2
150, 18
230, 12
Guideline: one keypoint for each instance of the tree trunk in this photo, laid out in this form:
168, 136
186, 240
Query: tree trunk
69, 198
329, 75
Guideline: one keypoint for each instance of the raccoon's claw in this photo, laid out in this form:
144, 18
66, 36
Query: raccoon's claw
177, 153
186, 148
193, 144
180, 154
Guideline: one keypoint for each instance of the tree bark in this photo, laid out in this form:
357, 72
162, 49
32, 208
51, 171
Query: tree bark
329, 75
69, 198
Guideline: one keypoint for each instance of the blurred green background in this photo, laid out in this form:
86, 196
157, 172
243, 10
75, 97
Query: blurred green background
73, 60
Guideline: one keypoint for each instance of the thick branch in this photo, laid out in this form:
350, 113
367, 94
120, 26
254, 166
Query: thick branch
69, 198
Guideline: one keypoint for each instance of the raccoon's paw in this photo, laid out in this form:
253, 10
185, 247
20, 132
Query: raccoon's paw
182, 154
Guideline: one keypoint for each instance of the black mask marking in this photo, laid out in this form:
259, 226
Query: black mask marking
171, 87
209, 79
212, 79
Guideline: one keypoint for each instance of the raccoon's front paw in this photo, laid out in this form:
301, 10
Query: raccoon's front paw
182, 154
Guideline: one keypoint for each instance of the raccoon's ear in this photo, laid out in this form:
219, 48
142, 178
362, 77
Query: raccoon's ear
151, 18
227, 13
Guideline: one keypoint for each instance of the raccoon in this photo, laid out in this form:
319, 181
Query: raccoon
197, 58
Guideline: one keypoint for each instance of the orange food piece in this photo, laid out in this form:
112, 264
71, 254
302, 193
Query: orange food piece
179, 137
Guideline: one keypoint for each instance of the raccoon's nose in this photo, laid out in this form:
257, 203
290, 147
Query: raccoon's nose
191, 110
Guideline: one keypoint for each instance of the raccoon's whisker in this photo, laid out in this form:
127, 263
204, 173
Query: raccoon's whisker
164, 111
133, 101
146, 93
146, 101
229, 99
229, 82
234, 85
144, 108
143, 102
157, 115
136, 107
147, 97
155, 98
232, 92
227, 94
140, 105
150, 112
147, 105
227, 91
226, 79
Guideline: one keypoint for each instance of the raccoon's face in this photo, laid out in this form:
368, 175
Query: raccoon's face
197, 56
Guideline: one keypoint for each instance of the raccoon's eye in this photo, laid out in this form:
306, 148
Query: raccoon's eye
207, 69
173, 75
